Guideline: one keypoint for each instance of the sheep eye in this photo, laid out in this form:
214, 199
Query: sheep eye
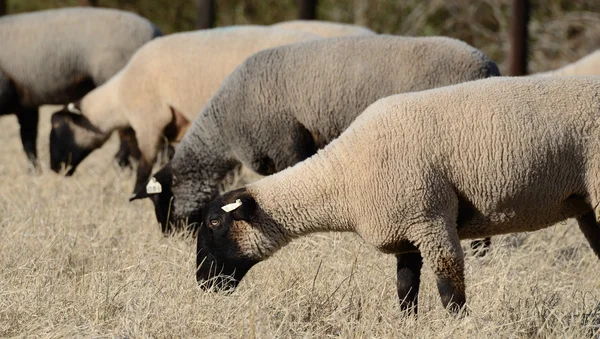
214, 222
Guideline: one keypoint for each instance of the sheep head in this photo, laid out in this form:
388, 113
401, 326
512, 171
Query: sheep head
234, 236
159, 190
72, 138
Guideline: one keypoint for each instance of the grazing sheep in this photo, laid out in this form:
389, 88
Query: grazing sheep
416, 173
281, 105
324, 29
588, 65
162, 88
57, 56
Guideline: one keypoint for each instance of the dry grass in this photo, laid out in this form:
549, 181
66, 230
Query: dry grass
78, 260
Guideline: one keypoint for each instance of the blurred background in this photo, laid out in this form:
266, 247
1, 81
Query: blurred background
560, 31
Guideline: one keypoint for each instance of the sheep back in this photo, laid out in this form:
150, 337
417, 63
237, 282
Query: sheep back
325, 29
498, 155
325, 84
186, 69
588, 65
48, 53
284, 103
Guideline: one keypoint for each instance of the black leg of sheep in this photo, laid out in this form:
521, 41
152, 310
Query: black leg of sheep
127, 148
409, 278
591, 230
28, 120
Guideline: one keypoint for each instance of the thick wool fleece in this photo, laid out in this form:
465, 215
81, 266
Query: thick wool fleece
420, 171
483, 158
325, 29
283, 104
47, 54
181, 72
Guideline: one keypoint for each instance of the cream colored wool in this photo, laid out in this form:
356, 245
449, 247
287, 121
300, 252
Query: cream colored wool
324, 28
47, 51
180, 71
588, 65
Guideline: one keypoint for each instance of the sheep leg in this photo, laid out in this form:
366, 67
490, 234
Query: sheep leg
127, 148
144, 171
408, 269
28, 120
591, 230
440, 247
149, 142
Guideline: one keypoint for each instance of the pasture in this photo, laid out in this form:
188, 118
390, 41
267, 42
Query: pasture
78, 260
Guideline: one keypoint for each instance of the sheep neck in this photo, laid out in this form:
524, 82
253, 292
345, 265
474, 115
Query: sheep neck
204, 159
101, 107
306, 198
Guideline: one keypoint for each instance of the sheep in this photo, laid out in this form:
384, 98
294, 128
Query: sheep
56, 56
282, 105
324, 28
162, 88
418, 172
588, 65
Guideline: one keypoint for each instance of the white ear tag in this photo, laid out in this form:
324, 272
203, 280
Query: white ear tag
233, 206
71, 108
153, 186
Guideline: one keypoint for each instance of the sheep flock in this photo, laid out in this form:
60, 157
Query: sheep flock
300, 179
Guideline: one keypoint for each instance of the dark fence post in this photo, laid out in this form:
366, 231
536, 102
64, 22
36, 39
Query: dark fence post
3, 9
307, 9
205, 14
518, 37
88, 3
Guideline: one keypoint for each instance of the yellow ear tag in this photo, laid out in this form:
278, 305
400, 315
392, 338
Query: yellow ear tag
153, 186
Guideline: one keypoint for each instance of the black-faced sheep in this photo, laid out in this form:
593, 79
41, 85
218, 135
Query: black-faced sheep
57, 56
281, 105
416, 173
162, 88
324, 28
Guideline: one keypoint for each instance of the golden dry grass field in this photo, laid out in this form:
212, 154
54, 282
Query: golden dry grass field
78, 260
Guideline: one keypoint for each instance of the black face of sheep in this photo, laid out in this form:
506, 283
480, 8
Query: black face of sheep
221, 259
64, 149
158, 190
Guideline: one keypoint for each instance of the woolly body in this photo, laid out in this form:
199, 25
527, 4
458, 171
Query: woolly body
473, 160
46, 53
181, 72
283, 104
57, 56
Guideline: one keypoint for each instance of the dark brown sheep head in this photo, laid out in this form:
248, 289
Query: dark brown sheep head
72, 138
234, 236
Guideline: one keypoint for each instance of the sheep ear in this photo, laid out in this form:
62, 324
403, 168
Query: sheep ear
180, 122
141, 194
246, 209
